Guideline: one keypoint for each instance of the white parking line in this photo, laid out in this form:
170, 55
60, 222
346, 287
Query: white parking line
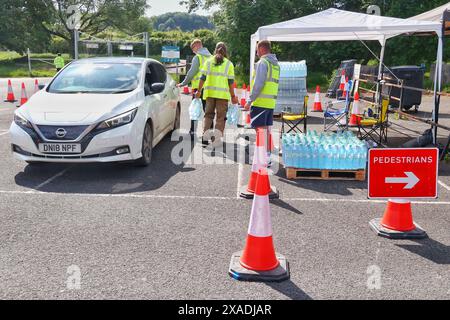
3, 133
156, 196
444, 185
363, 201
46, 182
240, 171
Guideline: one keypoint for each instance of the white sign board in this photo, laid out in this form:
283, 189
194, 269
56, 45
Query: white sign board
127, 47
92, 45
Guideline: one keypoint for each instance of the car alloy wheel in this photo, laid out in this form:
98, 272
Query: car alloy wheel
147, 146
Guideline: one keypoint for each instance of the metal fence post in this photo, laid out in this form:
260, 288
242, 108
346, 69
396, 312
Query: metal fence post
75, 38
29, 62
146, 44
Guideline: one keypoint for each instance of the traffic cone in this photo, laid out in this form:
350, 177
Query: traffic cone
10, 96
260, 161
259, 261
243, 95
248, 121
342, 85
23, 95
271, 145
355, 118
317, 102
36, 85
397, 222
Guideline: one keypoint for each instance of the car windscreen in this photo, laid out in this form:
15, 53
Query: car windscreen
97, 78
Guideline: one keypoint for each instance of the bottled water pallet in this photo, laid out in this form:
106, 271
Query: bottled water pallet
325, 174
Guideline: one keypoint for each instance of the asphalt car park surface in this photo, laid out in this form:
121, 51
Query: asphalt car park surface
168, 231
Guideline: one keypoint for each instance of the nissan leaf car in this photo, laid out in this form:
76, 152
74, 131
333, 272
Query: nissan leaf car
98, 110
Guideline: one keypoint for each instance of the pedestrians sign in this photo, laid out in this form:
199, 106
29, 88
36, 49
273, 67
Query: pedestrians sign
403, 173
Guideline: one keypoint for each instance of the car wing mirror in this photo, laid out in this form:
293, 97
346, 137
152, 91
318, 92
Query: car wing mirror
157, 87
41, 86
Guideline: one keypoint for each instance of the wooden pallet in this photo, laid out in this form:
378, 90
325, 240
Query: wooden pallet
296, 173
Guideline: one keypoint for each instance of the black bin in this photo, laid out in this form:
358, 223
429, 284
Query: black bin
412, 76
348, 66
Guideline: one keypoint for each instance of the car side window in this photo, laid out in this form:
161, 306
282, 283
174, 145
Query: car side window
148, 79
159, 73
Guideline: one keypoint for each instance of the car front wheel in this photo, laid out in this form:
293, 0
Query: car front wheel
147, 147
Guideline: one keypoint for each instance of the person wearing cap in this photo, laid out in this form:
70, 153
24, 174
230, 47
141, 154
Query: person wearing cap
194, 74
217, 83
263, 96
59, 62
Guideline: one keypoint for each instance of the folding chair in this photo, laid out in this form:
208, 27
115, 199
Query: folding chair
375, 128
335, 114
293, 121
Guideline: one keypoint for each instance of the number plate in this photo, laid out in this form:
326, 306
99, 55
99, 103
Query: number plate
60, 148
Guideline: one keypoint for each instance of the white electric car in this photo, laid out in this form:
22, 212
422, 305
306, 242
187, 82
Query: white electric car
98, 110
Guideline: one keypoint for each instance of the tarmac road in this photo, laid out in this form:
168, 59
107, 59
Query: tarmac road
168, 231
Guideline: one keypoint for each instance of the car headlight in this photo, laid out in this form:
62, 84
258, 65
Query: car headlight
22, 122
117, 121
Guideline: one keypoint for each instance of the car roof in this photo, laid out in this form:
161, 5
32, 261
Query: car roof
114, 60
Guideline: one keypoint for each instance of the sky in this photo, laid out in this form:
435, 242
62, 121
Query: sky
163, 6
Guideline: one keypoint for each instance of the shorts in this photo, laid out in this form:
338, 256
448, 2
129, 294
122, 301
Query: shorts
261, 117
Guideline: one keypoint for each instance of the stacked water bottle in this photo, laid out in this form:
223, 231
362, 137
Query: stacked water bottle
332, 151
292, 87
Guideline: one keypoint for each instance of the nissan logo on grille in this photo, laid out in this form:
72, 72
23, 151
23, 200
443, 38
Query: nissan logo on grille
61, 133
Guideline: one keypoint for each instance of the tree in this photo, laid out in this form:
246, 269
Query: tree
236, 20
183, 21
18, 31
95, 16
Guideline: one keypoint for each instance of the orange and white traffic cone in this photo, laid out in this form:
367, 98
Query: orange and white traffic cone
243, 95
248, 121
317, 101
355, 117
259, 261
346, 88
397, 222
23, 95
10, 96
342, 85
36, 86
260, 161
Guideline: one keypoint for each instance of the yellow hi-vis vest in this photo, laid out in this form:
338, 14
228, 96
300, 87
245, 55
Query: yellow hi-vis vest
268, 96
217, 77
59, 62
196, 81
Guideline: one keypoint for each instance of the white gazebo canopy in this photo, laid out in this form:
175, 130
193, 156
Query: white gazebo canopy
433, 15
339, 25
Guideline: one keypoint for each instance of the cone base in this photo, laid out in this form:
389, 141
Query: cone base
10, 101
238, 272
417, 233
244, 193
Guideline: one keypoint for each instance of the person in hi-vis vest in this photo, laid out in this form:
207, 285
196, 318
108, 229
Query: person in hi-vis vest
217, 83
59, 62
194, 74
264, 89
